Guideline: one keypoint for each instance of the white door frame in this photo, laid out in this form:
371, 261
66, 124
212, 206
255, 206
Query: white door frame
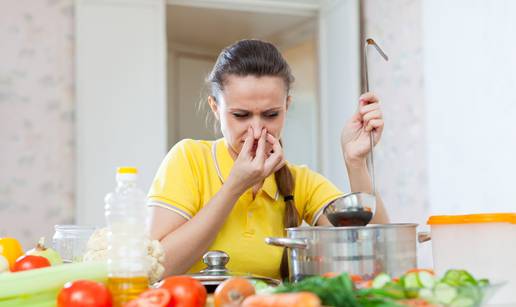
338, 65
120, 97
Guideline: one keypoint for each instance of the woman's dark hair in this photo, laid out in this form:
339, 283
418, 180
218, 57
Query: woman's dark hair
258, 58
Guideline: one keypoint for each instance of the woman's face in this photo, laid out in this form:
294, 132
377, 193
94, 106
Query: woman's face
256, 102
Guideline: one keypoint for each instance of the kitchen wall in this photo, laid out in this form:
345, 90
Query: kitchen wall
402, 174
36, 117
448, 146
470, 64
400, 160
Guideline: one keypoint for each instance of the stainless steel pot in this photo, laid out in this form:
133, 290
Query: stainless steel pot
364, 251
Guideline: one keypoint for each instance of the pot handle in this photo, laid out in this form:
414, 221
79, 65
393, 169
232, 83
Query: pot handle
423, 236
288, 242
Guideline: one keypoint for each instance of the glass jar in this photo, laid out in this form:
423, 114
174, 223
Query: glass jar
70, 241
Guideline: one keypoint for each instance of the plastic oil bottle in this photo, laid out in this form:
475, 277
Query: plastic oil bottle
126, 217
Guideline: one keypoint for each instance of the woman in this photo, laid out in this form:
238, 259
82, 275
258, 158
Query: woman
231, 193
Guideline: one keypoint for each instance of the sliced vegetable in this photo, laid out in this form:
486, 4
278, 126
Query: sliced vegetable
426, 279
462, 302
381, 280
261, 287
459, 278
411, 281
444, 293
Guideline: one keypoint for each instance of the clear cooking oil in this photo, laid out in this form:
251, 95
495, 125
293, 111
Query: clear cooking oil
125, 289
125, 212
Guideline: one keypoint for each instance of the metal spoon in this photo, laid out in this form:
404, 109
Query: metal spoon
357, 208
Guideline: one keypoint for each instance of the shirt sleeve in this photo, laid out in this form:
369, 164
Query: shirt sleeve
175, 186
318, 193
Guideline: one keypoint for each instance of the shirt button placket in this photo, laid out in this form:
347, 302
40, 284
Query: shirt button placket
249, 230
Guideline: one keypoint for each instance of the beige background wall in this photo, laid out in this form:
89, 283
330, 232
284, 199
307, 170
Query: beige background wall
36, 117
401, 157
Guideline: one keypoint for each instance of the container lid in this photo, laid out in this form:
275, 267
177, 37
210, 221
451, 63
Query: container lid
216, 271
472, 219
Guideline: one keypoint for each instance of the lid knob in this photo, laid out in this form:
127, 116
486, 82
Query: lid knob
215, 260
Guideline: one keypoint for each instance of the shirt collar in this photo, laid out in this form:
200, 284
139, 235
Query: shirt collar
224, 164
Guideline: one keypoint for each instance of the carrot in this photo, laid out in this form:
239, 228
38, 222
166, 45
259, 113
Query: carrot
356, 278
420, 270
298, 299
330, 274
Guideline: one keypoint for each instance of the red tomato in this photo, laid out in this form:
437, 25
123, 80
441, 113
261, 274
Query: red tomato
185, 291
151, 298
156, 297
29, 262
84, 293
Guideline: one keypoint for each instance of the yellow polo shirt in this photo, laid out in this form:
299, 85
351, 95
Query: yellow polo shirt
193, 171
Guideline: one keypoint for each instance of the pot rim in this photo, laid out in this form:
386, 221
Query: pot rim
370, 226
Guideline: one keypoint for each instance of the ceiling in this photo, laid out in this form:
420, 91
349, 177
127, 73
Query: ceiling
215, 29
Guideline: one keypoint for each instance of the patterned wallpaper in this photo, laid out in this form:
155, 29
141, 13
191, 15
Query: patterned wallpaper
400, 162
36, 117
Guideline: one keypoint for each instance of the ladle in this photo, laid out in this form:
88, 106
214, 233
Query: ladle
357, 208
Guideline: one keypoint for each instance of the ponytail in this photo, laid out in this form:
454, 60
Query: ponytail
285, 183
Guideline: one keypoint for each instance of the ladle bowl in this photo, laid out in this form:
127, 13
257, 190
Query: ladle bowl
353, 209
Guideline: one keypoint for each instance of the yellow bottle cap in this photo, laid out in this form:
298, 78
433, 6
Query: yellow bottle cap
127, 170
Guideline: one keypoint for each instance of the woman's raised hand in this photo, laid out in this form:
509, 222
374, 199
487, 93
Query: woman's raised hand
252, 167
355, 135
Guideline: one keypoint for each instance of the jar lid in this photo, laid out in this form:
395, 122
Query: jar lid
472, 219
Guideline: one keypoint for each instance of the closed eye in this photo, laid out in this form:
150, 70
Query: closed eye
240, 114
271, 114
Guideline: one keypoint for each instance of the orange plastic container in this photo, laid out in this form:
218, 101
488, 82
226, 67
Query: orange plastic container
483, 244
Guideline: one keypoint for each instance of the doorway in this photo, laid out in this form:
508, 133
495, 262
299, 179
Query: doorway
196, 35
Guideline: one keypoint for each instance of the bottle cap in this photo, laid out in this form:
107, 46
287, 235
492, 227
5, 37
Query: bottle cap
127, 173
127, 170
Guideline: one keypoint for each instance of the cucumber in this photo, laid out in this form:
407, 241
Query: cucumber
483, 282
426, 293
471, 292
381, 280
444, 293
459, 278
463, 302
426, 279
411, 281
